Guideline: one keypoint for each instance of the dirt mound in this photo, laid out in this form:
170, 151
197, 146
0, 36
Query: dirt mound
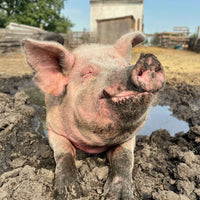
165, 167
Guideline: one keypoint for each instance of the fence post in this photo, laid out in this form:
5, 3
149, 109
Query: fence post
198, 31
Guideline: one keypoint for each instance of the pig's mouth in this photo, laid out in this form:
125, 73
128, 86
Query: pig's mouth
127, 97
128, 105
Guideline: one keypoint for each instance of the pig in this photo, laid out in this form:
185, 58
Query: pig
96, 101
54, 37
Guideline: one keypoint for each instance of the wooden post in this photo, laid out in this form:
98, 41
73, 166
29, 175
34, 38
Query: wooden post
41, 27
198, 31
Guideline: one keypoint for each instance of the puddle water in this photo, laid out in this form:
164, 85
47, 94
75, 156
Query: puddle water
160, 117
41, 126
36, 96
37, 101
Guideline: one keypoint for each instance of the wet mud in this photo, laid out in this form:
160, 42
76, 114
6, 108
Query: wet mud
165, 167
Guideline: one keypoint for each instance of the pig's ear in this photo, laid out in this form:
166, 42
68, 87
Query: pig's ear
51, 61
126, 42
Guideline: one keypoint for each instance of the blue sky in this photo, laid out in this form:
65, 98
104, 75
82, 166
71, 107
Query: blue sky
159, 15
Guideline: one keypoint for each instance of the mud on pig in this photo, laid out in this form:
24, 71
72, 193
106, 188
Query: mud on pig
96, 101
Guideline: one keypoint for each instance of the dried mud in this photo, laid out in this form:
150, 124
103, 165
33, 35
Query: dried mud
165, 167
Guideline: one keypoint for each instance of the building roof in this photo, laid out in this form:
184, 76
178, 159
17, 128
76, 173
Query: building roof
116, 1
116, 18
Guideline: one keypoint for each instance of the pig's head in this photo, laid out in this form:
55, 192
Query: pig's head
95, 87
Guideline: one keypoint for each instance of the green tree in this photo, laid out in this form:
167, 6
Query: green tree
34, 13
3, 19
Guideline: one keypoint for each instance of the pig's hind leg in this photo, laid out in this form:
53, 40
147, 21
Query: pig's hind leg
119, 183
66, 173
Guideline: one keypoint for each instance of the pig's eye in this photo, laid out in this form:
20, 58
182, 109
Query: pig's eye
87, 72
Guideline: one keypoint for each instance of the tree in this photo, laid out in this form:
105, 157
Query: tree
34, 13
3, 19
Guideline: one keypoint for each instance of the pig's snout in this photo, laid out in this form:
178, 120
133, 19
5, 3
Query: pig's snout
148, 74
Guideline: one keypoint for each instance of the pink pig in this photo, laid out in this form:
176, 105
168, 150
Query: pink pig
96, 101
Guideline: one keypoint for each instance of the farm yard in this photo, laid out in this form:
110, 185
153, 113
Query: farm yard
167, 151
25, 152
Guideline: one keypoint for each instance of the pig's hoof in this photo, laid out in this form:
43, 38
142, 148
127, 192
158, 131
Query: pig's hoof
118, 189
119, 195
65, 190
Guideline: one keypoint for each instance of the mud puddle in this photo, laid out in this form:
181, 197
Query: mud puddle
160, 117
37, 101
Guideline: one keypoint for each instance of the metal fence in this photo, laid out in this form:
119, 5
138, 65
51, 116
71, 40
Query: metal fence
171, 39
74, 39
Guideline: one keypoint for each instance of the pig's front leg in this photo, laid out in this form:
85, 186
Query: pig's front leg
66, 172
119, 183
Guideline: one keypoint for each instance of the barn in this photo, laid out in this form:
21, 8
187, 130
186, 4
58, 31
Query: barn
113, 9
109, 30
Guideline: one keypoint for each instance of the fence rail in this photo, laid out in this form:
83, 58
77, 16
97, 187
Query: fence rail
11, 39
74, 39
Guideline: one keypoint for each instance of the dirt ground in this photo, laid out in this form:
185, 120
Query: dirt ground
165, 167
14, 64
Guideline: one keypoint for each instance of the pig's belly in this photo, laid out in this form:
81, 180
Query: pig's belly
96, 145
91, 149
91, 144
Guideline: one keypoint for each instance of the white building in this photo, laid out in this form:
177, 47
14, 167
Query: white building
105, 9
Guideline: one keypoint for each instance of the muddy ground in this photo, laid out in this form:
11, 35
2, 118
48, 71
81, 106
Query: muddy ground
166, 168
